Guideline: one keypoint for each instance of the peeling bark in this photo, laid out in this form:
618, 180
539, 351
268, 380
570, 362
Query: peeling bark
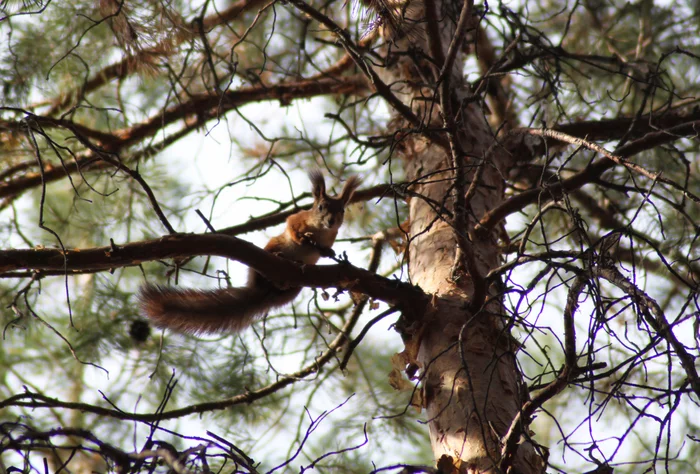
472, 387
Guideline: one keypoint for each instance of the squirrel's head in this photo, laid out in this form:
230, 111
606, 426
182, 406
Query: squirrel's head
331, 210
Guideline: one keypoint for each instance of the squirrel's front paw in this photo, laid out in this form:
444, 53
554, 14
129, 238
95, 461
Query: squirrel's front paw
327, 252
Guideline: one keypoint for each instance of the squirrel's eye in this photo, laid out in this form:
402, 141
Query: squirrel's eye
320, 207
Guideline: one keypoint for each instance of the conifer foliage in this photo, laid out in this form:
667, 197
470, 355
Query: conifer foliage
514, 289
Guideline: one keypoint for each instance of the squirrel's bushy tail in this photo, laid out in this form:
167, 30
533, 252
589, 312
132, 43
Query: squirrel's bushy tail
210, 311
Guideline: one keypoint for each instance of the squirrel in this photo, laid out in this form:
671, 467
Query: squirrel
309, 235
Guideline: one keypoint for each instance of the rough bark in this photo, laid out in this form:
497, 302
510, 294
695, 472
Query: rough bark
472, 387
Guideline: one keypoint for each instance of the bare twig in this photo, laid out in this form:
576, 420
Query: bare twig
519, 424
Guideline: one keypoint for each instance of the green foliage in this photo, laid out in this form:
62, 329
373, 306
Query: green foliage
176, 103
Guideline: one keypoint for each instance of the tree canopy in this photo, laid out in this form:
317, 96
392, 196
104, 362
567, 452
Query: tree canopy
514, 289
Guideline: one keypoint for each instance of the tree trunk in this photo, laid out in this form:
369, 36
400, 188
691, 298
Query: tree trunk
472, 388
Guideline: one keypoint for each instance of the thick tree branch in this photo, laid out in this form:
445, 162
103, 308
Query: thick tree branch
518, 143
278, 270
211, 106
208, 106
613, 129
587, 175
199, 109
620, 160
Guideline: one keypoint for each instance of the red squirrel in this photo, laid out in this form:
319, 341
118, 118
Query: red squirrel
308, 236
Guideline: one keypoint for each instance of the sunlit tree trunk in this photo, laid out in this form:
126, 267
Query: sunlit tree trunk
472, 388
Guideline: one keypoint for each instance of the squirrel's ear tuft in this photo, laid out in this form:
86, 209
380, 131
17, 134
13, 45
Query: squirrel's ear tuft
318, 184
351, 185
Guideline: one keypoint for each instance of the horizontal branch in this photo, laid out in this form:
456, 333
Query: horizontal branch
520, 147
280, 271
207, 106
198, 110
620, 160
214, 105
589, 174
613, 129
